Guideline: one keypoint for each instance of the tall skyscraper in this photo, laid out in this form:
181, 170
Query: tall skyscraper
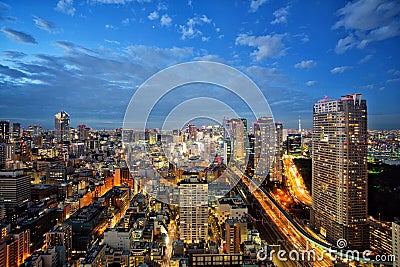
265, 149
61, 126
16, 132
4, 131
237, 133
339, 170
193, 207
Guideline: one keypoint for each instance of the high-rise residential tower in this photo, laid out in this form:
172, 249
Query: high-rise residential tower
61, 126
339, 170
265, 149
193, 206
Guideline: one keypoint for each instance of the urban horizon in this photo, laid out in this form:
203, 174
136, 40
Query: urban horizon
156, 133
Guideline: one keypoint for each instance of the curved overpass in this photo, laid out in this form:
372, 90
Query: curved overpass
250, 187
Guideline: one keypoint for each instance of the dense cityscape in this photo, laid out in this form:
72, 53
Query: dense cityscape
210, 195
159, 133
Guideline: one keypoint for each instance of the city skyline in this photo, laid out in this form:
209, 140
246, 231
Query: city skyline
297, 53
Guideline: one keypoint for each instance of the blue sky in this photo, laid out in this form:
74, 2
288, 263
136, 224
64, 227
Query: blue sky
88, 57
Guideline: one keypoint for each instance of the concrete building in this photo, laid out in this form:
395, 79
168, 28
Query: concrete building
118, 238
95, 257
232, 236
380, 237
396, 242
230, 208
60, 235
15, 189
14, 249
193, 204
339, 170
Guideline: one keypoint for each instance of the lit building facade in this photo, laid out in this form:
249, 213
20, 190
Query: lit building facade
15, 189
339, 170
193, 207
60, 235
61, 126
396, 242
265, 149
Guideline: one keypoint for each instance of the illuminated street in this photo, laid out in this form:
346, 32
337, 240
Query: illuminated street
295, 182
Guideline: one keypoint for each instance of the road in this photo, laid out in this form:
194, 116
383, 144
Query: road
297, 238
295, 182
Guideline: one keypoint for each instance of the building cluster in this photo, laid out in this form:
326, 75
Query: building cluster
384, 146
67, 197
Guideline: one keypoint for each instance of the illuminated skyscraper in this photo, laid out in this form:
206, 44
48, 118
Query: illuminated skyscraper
339, 170
4, 130
265, 149
193, 207
61, 126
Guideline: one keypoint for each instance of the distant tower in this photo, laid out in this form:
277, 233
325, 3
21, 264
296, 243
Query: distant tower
339, 170
61, 126
4, 131
299, 124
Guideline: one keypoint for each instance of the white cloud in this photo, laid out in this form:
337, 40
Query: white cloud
394, 72
66, 7
268, 75
306, 64
367, 21
368, 87
166, 20
162, 7
158, 56
280, 15
112, 41
304, 38
190, 29
205, 39
205, 19
393, 80
255, 4
110, 27
340, 69
268, 46
214, 58
153, 15
311, 83
125, 21
345, 44
365, 59
44, 24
